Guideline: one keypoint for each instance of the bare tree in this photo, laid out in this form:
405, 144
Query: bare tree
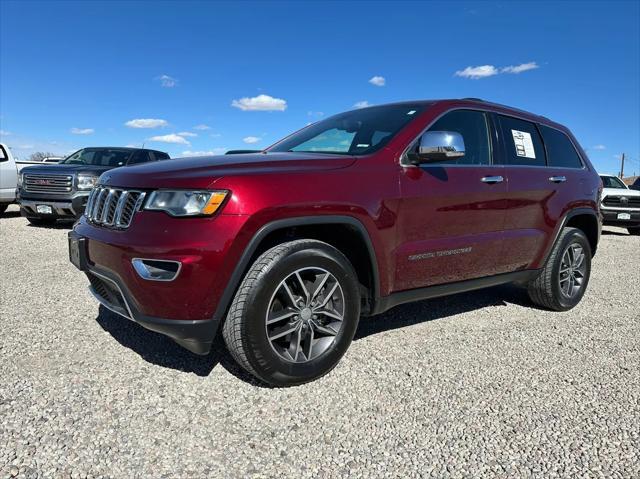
40, 155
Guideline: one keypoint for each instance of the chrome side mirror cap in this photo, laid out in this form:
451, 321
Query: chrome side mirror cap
439, 146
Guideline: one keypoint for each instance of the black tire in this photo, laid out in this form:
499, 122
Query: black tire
635, 230
41, 221
245, 328
545, 289
3, 208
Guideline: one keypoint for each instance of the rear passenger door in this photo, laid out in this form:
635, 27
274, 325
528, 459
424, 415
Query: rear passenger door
542, 179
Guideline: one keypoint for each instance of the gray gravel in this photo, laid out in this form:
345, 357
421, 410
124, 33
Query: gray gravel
478, 384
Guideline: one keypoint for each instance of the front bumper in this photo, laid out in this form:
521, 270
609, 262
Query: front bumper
183, 308
610, 217
71, 207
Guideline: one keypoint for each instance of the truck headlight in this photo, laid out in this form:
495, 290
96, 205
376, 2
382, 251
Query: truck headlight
186, 203
86, 182
20, 180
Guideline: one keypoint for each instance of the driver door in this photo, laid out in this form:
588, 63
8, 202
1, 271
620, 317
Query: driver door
452, 213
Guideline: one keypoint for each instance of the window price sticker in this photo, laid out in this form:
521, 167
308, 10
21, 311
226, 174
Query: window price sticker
523, 143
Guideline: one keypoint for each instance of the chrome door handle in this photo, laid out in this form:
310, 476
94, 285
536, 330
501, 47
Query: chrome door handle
558, 179
492, 179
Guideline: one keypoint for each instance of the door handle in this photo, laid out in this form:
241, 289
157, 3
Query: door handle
492, 179
558, 179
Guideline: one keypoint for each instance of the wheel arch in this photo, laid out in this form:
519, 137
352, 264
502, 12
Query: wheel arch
343, 232
585, 219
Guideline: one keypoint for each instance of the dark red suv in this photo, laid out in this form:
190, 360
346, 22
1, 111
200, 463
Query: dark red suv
284, 249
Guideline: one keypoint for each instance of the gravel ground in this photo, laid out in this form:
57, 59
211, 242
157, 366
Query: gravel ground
478, 384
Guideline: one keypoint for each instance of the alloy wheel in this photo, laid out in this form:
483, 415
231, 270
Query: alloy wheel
572, 270
305, 314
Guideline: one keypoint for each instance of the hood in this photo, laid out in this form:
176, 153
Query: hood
200, 172
55, 169
619, 192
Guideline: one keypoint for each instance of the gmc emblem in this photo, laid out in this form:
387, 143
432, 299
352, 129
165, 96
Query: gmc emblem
41, 182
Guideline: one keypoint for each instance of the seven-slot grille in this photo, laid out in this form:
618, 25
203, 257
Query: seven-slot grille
113, 207
631, 201
56, 184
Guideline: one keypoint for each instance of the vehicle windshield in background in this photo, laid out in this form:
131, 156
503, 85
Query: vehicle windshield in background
612, 182
357, 132
98, 157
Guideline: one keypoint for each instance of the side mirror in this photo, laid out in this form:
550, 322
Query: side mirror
438, 146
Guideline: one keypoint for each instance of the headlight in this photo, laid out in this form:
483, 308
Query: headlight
20, 179
186, 203
86, 182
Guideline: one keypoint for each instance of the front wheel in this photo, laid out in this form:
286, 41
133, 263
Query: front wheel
294, 314
564, 278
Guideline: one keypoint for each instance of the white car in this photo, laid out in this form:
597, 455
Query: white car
620, 206
8, 178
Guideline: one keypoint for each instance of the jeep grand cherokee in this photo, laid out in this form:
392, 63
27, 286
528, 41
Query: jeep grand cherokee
285, 249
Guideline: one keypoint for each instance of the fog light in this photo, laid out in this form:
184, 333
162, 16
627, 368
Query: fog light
156, 269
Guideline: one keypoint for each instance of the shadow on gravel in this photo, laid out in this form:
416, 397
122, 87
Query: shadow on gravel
158, 349
58, 225
432, 309
162, 351
10, 214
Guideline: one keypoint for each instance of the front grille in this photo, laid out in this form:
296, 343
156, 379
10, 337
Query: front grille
56, 184
113, 207
622, 201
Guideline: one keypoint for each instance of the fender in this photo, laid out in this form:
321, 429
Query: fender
567, 216
252, 246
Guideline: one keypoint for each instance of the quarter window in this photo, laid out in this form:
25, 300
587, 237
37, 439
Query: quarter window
560, 150
472, 125
521, 142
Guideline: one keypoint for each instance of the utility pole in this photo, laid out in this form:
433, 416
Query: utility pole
622, 167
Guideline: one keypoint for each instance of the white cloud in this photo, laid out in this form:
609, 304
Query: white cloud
484, 71
82, 131
167, 82
5, 133
132, 145
146, 123
187, 133
215, 135
599, 147
361, 104
475, 73
260, 103
315, 113
523, 67
202, 127
377, 81
170, 138
251, 139
214, 151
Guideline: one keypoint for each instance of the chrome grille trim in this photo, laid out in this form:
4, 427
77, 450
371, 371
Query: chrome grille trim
55, 184
113, 207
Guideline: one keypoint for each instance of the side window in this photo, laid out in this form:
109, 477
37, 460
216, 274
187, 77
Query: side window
161, 155
560, 150
521, 141
472, 125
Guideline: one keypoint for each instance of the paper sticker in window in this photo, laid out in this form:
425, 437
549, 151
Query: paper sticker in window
523, 143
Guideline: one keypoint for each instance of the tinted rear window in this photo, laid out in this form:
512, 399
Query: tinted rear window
560, 150
521, 142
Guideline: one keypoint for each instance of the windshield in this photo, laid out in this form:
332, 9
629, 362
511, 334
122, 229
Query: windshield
612, 182
98, 157
357, 132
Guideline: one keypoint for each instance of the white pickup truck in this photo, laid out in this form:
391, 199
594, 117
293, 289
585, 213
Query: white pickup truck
8, 178
619, 205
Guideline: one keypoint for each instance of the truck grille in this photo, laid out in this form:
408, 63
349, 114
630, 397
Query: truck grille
622, 201
113, 207
55, 184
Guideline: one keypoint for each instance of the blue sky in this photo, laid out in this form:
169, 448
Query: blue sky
76, 74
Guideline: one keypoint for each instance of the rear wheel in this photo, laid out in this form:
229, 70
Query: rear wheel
564, 278
41, 221
295, 313
635, 230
